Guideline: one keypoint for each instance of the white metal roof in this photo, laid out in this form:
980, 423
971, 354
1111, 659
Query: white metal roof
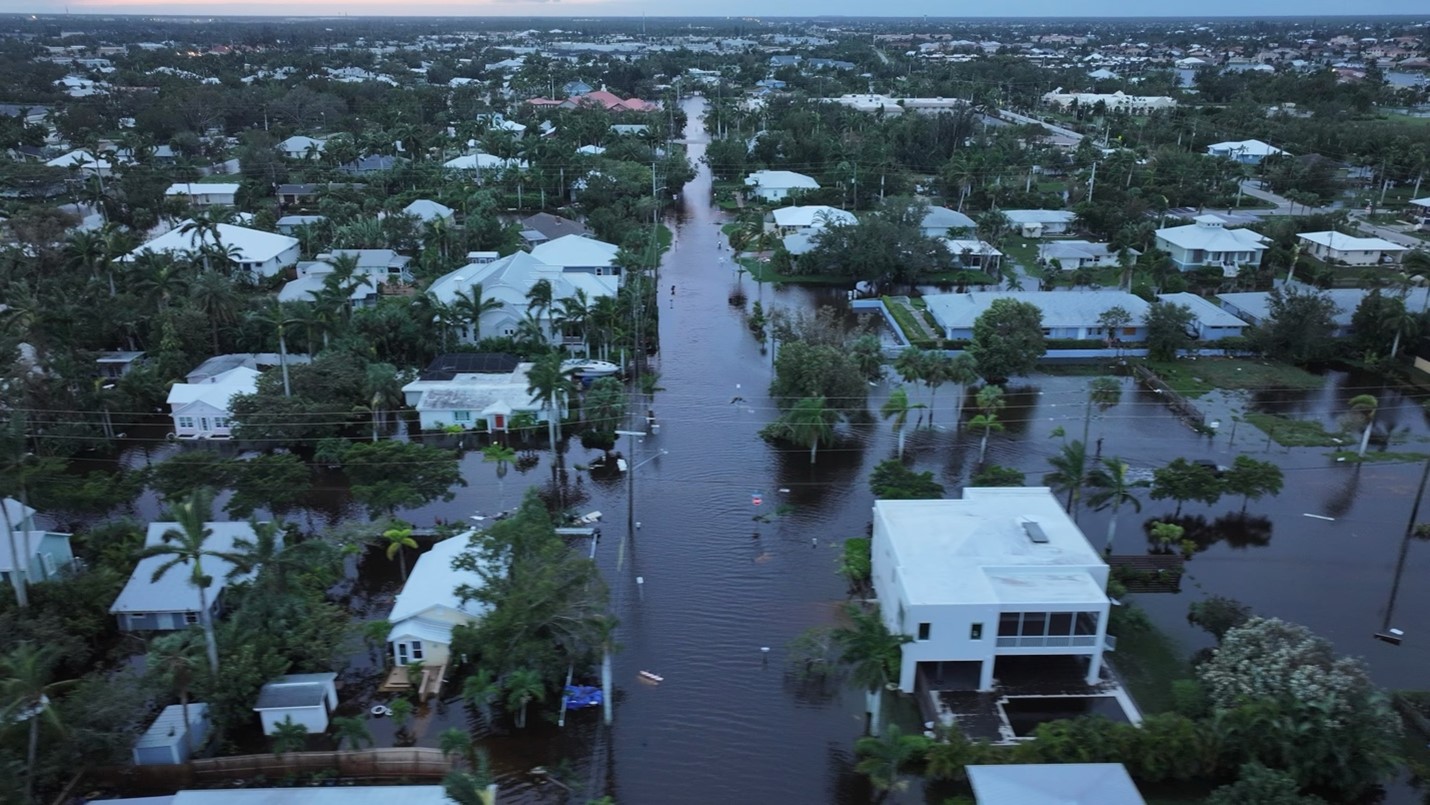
1040, 216
199, 189
1207, 312
944, 219
483, 162
976, 550
16, 511
573, 251
166, 729
254, 246
781, 180
428, 210
1210, 235
1060, 308
342, 795
433, 583
813, 215
217, 390
1350, 243
958, 246
172, 591
26, 542
509, 278
1247, 147
1054, 784
1421, 202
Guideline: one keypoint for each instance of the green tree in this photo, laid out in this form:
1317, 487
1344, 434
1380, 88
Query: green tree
398, 540
884, 759
1218, 615
809, 423
897, 408
177, 659
502, 456
873, 654
1253, 479
480, 690
551, 387
1257, 785
185, 545
523, 686
891, 480
389, 475
1007, 340
1069, 471
351, 730
989, 402
288, 736
805, 370
1299, 326
997, 475
455, 741
26, 686
1168, 329
1363, 408
1113, 488
276, 481
1181, 480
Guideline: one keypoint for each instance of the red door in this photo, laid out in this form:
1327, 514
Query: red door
499, 422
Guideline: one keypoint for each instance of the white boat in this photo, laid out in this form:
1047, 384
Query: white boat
589, 368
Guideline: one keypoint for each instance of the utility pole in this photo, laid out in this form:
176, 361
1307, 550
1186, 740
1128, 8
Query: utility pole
1092, 181
630, 491
1386, 633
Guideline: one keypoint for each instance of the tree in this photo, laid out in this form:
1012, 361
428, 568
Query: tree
1252, 479
288, 736
1181, 480
398, 540
455, 741
351, 730
177, 659
1113, 321
989, 402
276, 481
897, 408
390, 475
186, 545
1257, 785
604, 410
279, 319
1007, 340
550, 386
809, 423
1363, 408
1299, 326
1218, 615
1378, 322
872, 653
997, 475
1113, 489
523, 686
1168, 329
26, 685
805, 369
480, 690
502, 456
1069, 471
891, 480
884, 759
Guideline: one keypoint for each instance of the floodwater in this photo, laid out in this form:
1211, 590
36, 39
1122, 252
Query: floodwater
703, 588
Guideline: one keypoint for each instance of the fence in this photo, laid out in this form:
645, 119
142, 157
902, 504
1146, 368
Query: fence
1180, 405
412, 763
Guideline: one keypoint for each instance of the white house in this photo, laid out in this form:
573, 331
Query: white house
1213, 321
789, 220
1002, 572
204, 195
427, 210
1066, 314
1207, 242
171, 602
264, 254
579, 254
1333, 246
591, 150
201, 410
509, 279
1053, 784
1247, 152
307, 699
428, 607
475, 399
39, 555
290, 224
301, 147
84, 162
376, 268
1075, 254
169, 741
778, 185
1419, 212
974, 253
483, 162
939, 220
1112, 101
1040, 223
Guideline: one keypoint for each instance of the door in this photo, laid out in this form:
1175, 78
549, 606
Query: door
498, 422
204, 424
402, 657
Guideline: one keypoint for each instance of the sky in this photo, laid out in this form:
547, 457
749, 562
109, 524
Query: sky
709, 8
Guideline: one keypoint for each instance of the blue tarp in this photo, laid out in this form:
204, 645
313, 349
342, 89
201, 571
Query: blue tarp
579, 696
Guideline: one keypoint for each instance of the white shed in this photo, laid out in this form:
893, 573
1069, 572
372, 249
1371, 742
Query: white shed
308, 699
164, 744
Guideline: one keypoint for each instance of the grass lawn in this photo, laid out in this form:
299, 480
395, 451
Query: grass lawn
1195, 378
1377, 455
1295, 432
1149, 662
1024, 253
916, 332
762, 272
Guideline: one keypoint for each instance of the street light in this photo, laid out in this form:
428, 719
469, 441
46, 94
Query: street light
630, 491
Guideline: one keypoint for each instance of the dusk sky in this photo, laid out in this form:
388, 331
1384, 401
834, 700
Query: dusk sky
572, 8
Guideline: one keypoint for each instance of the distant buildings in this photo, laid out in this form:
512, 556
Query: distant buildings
1113, 102
204, 195
474, 390
203, 410
600, 99
893, 107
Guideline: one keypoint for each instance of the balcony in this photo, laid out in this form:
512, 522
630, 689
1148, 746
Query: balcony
1077, 641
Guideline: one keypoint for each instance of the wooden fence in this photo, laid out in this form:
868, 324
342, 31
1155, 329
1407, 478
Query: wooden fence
411, 763
1180, 405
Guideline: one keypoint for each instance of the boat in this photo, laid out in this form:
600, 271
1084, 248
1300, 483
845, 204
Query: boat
589, 368
650, 677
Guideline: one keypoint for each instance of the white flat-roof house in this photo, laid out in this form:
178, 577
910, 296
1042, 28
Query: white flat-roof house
376, 268
1213, 321
171, 602
974, 254
483, 162
427, 609
1066, 314
1332, 246
778, 185
1075, 254
1207, 242
1247, 152
204, 195
1054, 784
262, 253
1040, 223
202, 410
789, 220
1003, 572
1419, 212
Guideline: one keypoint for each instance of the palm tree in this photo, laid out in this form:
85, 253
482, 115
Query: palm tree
523, 686
1103, 392
502, 456
353, 730
203, 229
1113, 489
267, 552
88, 249
469, 307
470, 788
937, 370
530, 335
550, 386
538, 298
288, 736
810, 422
276, 317
185, 545
455, 741
897, 407
383, 389
961, 371
1363, 408
1069, 471
883, 759
1403, 322
26, 685
480, 690
989, 402
397, 538
178, 658
574, 312
214, 296
873, 654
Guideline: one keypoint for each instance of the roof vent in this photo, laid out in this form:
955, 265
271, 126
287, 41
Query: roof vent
1035, 532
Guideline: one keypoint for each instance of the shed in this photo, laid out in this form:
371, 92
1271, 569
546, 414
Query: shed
305, 698
164, 744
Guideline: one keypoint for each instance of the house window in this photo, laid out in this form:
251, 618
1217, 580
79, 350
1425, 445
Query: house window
1008, 624
416, 649
1129, 331
186, 422
1034, 623
924, 629
975, 632
461, 416
191, 618
220, 422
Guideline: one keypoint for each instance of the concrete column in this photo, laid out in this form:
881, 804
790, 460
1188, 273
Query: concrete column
1094, 665
985, 674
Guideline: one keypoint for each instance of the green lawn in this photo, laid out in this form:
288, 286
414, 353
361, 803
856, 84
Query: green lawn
762, 272
1149, 662
1024, 253
1195, 378
1294, 432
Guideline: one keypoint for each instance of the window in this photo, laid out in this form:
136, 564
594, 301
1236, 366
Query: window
416, 649
220, 422
1033, 623
461, 416
191, 618
1129, 331
924, 629
1060, 624
975, 632
186, 422
1087, 623
1008, 624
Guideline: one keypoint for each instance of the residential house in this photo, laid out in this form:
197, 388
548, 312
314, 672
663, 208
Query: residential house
428, 607
509, 279
25, 548
483, 162
171, 602
1002, 572
1207, 242
778, 185
1040, 223
591, 150
114, 365
486, 399
574, 253
169, 740
1419, 212
373, 163
219, 364
828, 64
203, 196
551, 227
629, 129
788, 220
305, 699
576, 88
428, 211
940, 222
1053, 784
201, 410
31, 114
291, 224
1334, 247
600, 99
376, 269
263, 254
974, 254
1069, 315
297, 194
301, 147
84, 162
1247, 152
1213, 322
1112, 101
1075, 254
1253, 306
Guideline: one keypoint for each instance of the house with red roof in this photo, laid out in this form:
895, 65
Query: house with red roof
602, 98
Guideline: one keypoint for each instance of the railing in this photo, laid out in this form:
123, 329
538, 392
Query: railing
1045, 641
